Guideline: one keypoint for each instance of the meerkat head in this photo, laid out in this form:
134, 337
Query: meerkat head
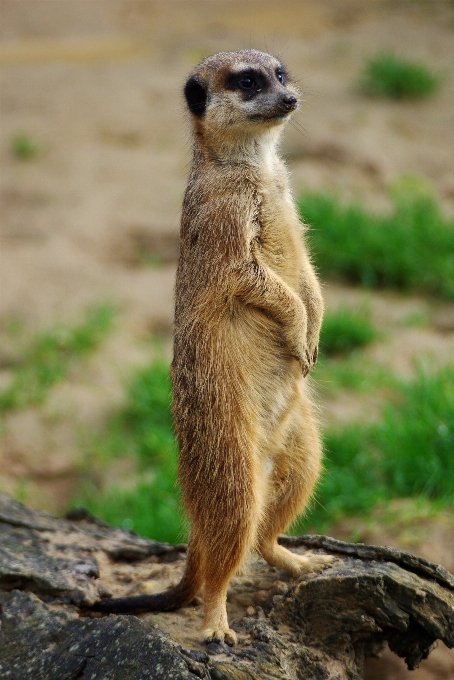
239, 93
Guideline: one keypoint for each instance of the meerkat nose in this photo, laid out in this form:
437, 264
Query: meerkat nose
289, 103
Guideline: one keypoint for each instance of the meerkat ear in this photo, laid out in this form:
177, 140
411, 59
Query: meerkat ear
196, 97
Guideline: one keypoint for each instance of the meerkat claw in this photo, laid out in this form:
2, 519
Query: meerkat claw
305, 365
220, 635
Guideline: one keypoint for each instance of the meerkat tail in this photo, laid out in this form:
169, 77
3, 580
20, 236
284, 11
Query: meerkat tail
174, 598
248, 315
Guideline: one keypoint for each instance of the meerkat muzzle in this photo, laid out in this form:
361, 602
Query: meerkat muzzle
289, 103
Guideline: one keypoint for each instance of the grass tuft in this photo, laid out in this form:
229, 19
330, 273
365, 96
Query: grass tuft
354, 373
410, 249
50, 356
407, 454
151, 509
142, 431
346, 330
24, 147
385, 75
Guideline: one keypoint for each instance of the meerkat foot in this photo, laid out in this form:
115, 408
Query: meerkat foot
305, 564
295, 564
216, 624
226, 635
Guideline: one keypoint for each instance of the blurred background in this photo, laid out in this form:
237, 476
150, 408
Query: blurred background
95, 150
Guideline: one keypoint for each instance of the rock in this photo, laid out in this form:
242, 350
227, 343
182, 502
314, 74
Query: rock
39, 642
321, 628
55, 557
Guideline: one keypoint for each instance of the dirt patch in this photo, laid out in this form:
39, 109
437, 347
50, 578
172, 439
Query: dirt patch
141, 246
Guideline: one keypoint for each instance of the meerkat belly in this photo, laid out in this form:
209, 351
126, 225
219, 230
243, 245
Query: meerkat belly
278, 374
280, 236
241, 344
272, 374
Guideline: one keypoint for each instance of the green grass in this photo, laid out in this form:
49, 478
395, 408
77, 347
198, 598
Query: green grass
354, 373
411, 249
409, 453
142, 431
151, 509
48, 358
24, 147
143, 427
386, 75
346, 330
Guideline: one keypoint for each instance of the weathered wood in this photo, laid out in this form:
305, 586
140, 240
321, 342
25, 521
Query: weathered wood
373, 552
321, 628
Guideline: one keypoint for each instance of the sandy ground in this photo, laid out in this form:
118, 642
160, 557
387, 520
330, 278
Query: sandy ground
98, 85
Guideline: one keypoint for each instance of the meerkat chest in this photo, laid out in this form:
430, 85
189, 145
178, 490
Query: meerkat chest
280, 235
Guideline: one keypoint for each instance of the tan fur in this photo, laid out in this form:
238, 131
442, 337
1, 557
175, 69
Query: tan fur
247, 321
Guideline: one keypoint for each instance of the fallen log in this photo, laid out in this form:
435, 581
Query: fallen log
322, 627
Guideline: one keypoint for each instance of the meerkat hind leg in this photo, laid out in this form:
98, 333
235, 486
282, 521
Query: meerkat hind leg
296, 470
217, 578
278, 556
225, 554
226, 541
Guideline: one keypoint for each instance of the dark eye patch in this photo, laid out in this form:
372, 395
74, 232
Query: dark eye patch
249, 82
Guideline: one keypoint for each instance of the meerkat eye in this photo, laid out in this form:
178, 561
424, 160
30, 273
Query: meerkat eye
247, 83
280, 75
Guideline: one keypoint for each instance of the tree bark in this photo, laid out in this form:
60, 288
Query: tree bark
321, 628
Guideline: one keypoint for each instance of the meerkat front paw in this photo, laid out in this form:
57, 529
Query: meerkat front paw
298, 350
314, 356
310, 360
226, 635
301, 357
306, 352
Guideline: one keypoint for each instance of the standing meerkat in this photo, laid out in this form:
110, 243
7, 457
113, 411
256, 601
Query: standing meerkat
247, 322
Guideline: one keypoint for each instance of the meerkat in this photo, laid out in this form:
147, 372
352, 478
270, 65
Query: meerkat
248, 314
